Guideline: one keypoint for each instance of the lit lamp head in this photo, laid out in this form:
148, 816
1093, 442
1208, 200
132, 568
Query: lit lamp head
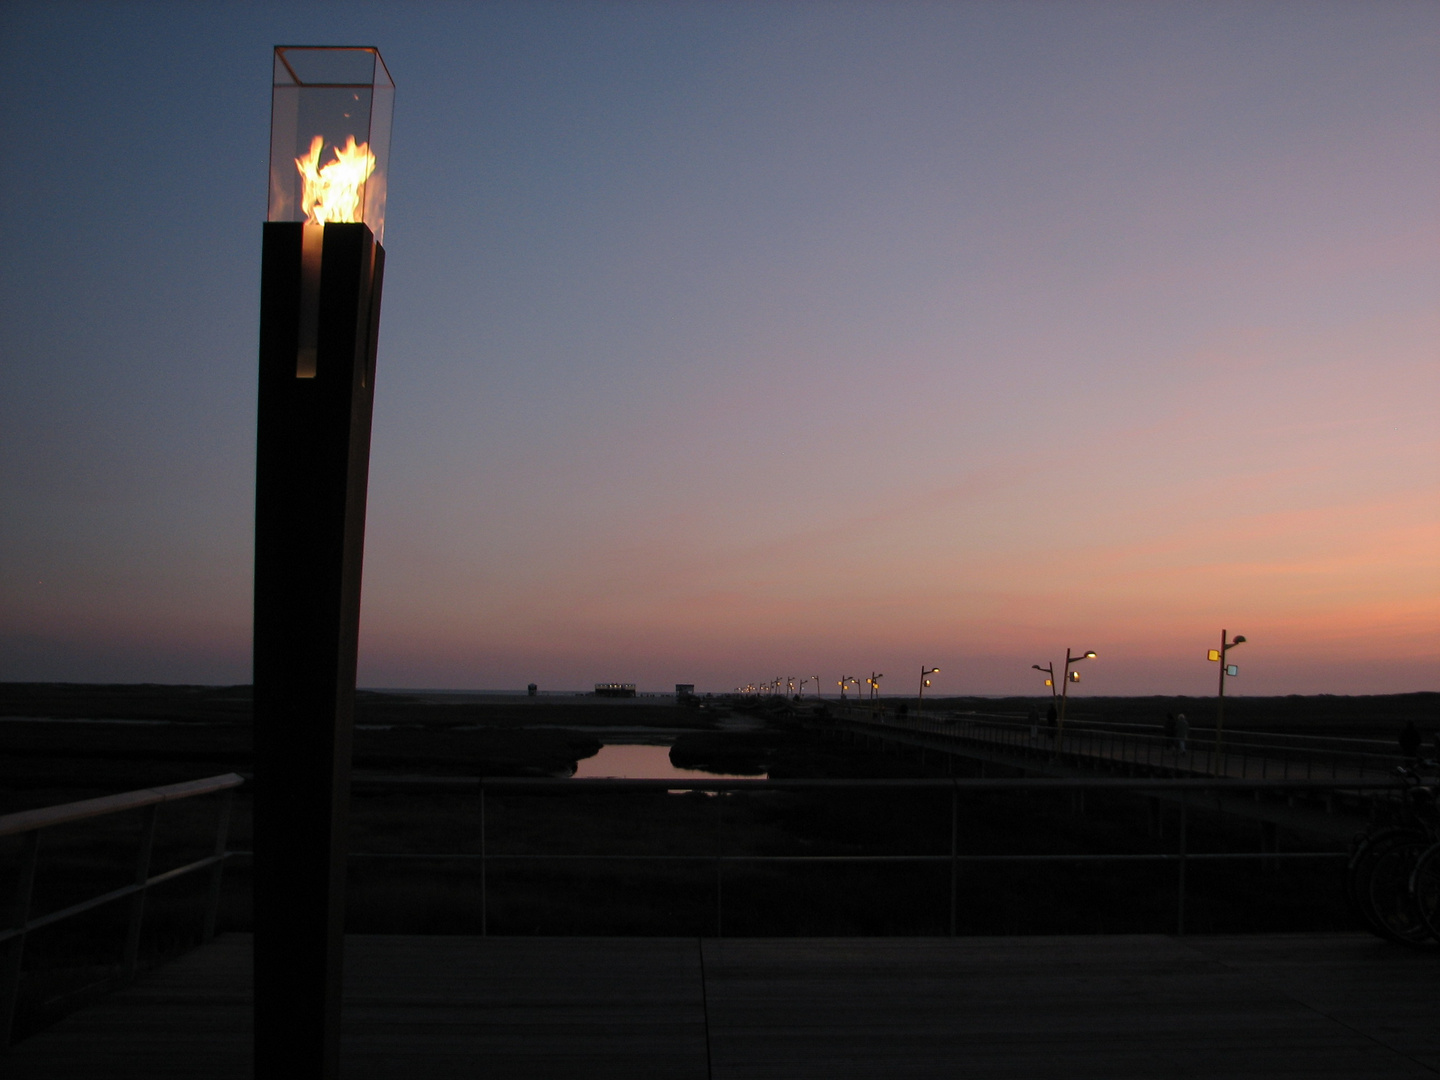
330, 136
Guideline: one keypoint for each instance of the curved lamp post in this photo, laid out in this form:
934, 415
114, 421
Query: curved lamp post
924, 682
1218, 656
1049, 671
1069, 677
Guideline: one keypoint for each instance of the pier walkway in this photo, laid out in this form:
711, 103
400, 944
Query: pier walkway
1336, 814
1264, 1006
1136, 749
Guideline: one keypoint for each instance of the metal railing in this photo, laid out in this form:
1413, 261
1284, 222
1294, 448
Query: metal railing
1178, 791
1181, 792
28, 825
1244, 755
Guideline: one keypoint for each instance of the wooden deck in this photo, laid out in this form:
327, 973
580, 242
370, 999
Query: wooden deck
1333, 1005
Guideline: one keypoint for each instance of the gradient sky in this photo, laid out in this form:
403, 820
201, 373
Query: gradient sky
724, 341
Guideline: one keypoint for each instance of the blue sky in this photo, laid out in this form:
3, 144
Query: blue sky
725, 340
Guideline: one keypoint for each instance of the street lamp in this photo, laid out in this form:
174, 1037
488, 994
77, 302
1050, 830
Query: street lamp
1049, 670
924, 682
1069, 677
1218, 656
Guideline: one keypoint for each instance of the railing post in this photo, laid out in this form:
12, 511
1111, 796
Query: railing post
1180, 891
222, 837
131, 958
484, 861
719, 862
14, 949
954, 851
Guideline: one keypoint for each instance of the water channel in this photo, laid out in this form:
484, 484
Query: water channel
643, 761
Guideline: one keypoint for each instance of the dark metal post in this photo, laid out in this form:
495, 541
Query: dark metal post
484, 876
222, 836
1220, 703
137, 901
719, 864
312, 467
14, 949
954, 852
1180, 886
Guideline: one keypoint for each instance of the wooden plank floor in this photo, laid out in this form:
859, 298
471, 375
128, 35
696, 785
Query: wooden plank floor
1333, 1005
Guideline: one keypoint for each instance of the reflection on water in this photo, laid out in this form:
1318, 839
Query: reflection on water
625, 761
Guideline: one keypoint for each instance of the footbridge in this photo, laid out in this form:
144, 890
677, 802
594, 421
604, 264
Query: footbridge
1003, 745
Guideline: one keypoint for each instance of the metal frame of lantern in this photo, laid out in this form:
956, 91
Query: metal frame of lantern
322, 271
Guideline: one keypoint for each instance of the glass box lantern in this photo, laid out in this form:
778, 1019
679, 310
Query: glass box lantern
330, 136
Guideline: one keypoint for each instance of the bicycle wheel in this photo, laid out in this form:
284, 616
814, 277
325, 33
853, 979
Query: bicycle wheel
1357, 870
1425, 888
1393, 906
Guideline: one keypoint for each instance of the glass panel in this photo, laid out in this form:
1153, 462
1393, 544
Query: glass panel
330, 136
309, 66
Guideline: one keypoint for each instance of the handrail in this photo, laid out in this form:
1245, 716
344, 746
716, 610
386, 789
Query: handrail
24, 821
1073, 721
28, 825
1112, 783
1182, 788
1196, 735
1015, 720
1127, 747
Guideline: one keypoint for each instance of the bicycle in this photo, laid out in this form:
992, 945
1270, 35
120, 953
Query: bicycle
1384, 883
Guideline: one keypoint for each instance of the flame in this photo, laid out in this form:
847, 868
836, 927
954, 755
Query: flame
332, 193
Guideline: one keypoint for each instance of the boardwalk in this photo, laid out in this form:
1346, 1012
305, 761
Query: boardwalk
1337, 1005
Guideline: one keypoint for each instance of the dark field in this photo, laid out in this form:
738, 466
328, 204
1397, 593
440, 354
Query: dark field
206, 731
